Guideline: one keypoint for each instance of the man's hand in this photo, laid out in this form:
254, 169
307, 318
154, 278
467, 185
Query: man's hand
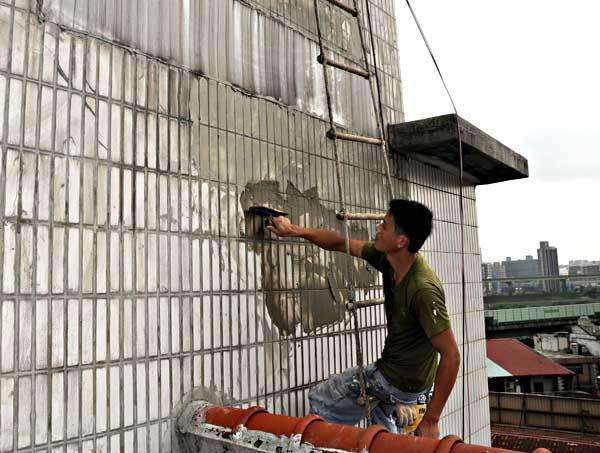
428, 428
282, 226
326, 239
406, 414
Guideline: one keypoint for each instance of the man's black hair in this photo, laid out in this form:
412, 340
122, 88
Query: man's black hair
412, 219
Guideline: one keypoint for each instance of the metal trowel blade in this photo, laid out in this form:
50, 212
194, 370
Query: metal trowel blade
266, 211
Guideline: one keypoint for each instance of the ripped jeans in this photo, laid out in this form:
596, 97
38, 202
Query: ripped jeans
336, 399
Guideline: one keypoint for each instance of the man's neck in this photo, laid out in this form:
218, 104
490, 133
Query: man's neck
401, 262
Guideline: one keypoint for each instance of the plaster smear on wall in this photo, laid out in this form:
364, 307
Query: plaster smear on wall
303, 286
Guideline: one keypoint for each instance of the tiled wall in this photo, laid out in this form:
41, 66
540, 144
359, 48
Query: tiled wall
266, 47
440, 191
129, 272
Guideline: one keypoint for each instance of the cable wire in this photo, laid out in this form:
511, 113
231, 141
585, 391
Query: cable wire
465, 339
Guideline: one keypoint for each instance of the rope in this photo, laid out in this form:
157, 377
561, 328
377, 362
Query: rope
465, 346
342, 200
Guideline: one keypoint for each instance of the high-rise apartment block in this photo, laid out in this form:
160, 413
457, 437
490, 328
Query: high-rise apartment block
548, 263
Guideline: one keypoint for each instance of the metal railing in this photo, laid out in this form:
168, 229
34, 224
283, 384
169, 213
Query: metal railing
543, 411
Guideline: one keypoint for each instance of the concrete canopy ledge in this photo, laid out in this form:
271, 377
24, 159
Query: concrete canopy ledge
435, 142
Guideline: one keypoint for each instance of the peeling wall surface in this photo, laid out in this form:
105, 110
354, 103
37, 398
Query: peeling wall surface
134, 136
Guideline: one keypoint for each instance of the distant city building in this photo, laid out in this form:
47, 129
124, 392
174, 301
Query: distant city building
493, 271
528, 267
548, 266
584, 267
521, 268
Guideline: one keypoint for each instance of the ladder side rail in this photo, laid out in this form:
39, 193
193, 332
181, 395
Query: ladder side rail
351, 296
378, 111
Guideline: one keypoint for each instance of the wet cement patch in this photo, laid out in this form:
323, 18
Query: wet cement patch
303, 285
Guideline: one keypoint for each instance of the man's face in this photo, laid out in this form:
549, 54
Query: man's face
387, 239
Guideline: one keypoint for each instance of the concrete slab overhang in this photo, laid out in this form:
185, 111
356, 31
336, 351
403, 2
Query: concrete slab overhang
435, 142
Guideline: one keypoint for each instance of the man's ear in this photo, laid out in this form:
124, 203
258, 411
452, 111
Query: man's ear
402, 241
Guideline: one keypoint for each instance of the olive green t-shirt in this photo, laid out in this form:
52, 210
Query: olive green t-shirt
416, 311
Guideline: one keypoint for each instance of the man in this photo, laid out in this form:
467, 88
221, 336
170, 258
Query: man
417, 323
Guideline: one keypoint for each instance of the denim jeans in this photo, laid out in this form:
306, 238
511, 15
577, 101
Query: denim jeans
336, 399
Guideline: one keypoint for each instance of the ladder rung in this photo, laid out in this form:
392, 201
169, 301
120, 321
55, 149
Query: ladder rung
364, 304
346, 8
334, 134
343, 215
343, 66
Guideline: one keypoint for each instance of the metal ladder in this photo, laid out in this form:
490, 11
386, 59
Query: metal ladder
334, 135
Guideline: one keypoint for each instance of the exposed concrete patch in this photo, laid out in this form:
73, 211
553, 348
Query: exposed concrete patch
302, 284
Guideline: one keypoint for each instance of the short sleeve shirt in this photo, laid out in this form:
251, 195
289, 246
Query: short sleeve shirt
416, 312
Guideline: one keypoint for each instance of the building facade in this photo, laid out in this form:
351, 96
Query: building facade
565, 351
548, 262
528, 267
584, 267
493, 271
521, 268
515, 367
134, 138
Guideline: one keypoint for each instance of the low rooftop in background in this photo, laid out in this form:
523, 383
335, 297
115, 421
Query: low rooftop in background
510, 357
435, 141
526, 439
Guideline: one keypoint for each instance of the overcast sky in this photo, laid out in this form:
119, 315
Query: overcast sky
527, 73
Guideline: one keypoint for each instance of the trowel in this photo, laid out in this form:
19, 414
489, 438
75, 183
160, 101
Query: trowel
265, 212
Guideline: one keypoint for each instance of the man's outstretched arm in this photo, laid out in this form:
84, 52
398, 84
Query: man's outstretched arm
445, 377
326, 239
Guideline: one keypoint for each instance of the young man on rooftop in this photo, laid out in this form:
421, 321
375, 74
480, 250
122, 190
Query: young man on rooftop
418, 327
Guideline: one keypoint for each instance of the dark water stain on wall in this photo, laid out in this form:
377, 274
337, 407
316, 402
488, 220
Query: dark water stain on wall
303, 285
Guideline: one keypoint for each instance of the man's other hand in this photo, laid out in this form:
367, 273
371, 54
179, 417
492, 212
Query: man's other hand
406, 414
428, 428
281, 226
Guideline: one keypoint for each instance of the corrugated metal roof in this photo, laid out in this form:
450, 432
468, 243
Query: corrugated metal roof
520, 360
